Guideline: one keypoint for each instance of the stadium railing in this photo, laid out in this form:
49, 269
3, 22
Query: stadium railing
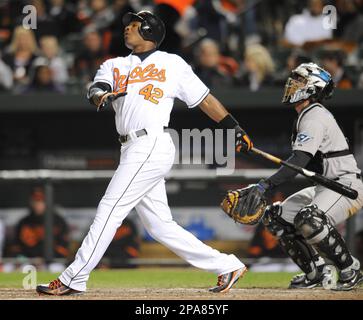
49, 177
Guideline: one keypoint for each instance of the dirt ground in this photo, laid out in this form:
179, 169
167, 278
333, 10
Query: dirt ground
189, 294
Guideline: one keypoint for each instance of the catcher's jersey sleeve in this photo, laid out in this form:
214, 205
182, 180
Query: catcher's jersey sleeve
105, 73
190, 88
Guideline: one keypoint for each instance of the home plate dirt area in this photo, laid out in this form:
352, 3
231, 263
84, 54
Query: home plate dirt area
170, 284
188, 294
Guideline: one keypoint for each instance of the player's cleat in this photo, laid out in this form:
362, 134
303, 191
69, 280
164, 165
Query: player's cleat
227, 280
355, 280
350, 277
56, 288
301, 281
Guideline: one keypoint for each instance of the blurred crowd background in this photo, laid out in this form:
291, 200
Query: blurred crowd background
230, 43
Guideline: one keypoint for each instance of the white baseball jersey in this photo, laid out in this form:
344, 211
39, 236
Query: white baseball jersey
151, 86
138, 182
319, 131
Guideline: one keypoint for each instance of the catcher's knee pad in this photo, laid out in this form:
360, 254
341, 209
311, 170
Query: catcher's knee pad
312, 223
317, 230
273, 221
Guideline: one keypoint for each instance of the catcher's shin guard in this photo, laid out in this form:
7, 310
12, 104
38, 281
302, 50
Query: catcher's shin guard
274, 223
314, 226
303, 254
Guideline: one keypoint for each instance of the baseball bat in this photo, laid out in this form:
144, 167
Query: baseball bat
326, 182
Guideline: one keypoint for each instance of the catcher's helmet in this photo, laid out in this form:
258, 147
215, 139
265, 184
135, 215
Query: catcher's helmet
308, 81
152, 27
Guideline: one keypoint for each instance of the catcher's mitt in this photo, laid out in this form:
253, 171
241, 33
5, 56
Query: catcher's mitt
246, 205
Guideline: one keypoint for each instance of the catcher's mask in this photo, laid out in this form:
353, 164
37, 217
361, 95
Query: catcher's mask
152, 27
308, 81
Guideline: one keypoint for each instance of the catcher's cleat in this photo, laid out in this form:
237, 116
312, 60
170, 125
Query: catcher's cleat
301, 281
350, 277
355, 280
227, 280
325, 275
56, 288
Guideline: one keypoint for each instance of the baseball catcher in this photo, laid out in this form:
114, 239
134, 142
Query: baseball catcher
305, 223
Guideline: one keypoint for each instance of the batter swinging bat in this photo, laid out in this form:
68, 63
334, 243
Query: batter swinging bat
326, 182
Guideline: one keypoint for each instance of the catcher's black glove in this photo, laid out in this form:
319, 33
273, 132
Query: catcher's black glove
246, 205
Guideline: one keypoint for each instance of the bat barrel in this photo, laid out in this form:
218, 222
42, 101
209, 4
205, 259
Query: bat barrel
336, 186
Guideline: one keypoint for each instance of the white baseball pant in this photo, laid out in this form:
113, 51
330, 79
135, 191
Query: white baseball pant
139, 183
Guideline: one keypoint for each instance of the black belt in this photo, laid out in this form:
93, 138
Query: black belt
334, 154
358, 176
142, 132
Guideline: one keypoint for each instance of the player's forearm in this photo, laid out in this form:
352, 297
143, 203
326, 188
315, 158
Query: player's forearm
285, 174
213, 108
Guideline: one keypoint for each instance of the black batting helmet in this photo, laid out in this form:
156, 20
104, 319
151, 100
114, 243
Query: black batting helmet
152, 27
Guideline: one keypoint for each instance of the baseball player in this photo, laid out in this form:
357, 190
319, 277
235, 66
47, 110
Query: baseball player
141, 89
305, 223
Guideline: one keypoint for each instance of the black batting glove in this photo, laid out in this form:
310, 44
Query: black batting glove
242, 140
